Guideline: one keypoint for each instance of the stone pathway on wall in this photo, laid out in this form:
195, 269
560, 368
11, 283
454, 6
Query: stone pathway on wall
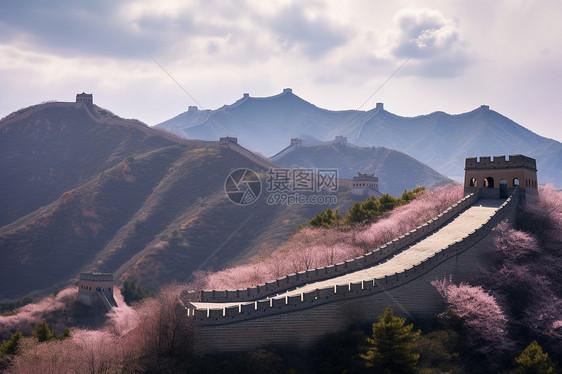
466, 222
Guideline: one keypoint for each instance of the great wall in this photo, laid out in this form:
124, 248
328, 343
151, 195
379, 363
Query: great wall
296, 143
302, 307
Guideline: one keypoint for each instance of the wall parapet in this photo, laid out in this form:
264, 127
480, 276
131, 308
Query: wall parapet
369, 259
500, 162
266, 163
272, 306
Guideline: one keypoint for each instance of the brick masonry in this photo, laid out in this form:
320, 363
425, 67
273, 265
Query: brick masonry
302, 319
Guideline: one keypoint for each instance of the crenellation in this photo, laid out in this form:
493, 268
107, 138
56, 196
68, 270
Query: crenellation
365, 260
363, 288
487, 162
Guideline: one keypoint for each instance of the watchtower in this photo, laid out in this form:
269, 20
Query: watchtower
497, 177
297, 142
85, 98
92, 286
226, 141
365, 184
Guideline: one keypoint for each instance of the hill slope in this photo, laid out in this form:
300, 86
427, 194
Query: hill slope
396, 171
85, 190
439, 140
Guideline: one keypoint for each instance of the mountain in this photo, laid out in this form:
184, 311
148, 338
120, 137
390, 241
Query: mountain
396, 170
82, 189
439, 140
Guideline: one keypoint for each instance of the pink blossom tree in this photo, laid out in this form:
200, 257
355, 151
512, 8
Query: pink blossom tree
479, 311
527, 271
310, 248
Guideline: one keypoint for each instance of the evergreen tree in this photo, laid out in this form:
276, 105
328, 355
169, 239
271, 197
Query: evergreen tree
409, 196
131, 292
326, 218
356, 214
12, 346
43, 333
387, 202
391, 347
533, 361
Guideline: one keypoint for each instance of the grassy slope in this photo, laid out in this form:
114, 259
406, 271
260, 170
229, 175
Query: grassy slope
396, 170
87, 193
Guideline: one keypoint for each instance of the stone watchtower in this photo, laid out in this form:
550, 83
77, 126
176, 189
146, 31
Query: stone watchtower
297, 142
85, 98
365, 184
93, 287
226, 141
497, 177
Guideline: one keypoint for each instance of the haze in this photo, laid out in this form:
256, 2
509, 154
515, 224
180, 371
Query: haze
505, 54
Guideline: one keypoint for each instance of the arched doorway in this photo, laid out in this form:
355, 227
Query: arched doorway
489, 182
503, 189
473, 182
515, 182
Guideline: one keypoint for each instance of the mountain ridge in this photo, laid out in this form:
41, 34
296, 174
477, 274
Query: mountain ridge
83, 189
438, 139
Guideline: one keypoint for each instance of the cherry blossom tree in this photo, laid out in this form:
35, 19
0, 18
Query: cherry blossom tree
479, 311
316, 247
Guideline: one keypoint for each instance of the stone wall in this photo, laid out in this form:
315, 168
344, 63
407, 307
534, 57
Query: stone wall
303, 318
367, 260
233, 145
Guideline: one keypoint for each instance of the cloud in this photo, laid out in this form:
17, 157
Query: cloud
308, 28
424, 33
110, 29
432, 41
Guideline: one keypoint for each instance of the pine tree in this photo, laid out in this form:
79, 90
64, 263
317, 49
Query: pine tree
132, 292
391, 346
326, 218
387, 202
12, 346
356, 214
43, 333
533, 361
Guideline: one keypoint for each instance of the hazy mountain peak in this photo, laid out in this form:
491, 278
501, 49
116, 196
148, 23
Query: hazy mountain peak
438, 139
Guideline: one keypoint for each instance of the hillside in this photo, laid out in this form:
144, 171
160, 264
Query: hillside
83, 189
439, 140
396, 171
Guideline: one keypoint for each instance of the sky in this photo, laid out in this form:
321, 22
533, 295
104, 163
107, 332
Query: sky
415, 56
